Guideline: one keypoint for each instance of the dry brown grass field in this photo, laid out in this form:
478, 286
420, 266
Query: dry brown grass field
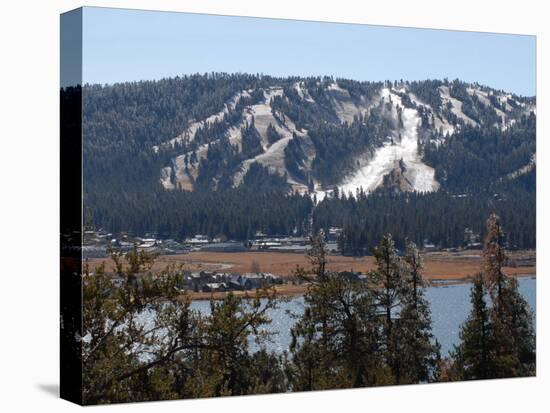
458, 266
437, 265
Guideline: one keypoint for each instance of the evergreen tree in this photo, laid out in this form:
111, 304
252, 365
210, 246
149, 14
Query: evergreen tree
522, 330
335, 342
419, 352
177, 353
389, 297
512, 319
272, 134
473, 357
226, 360
495, 258
507, 326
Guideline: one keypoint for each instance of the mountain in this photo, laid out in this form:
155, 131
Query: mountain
232, 154
319, 134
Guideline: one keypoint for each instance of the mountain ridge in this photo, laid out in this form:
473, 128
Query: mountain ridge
480, 107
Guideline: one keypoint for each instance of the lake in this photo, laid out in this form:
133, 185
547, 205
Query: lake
450, 305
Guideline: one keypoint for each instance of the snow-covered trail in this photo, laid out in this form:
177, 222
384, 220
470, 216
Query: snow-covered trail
191, 130
420, 175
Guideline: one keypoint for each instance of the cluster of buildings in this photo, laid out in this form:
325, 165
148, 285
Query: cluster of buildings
210, 281
98, 242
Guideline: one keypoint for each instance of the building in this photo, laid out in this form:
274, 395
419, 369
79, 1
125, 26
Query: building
214, 287
225, 247
198, 239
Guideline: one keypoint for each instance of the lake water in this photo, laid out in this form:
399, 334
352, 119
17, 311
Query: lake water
450, 305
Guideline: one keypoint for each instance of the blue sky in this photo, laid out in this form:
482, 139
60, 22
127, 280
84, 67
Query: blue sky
126, 45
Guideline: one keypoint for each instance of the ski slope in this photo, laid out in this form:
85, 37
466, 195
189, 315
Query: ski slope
371, 176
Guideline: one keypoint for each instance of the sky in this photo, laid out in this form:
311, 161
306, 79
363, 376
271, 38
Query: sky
127, 45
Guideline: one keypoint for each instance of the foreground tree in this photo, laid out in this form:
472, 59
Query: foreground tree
360, 333
522, 330
142, 340
495, 258
511, 315
335, 342
129, 333
506, 327
225, 365
419, 350
474, 356
388, 290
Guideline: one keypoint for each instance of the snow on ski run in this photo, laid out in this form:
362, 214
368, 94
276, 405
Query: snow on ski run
420, 175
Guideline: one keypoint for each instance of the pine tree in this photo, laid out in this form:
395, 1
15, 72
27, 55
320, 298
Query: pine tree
272, 134
499, 341
511, 316
495, 258
335, 341
521, 327
388, 298
473, 357
226, 358
419, 352
317, 255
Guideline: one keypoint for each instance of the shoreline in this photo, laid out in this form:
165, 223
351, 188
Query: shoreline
441, 268
300, 290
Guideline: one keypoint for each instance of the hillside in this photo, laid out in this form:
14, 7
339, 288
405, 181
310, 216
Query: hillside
169, 144
284, 129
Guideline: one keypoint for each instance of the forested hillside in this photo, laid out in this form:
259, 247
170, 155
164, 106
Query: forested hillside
232, 154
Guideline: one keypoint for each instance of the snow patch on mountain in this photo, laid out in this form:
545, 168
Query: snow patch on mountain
183, 172
346, 109
263, 116
456, 105
302, 91
439, 123
189, 133
273, 156
166, 177
371, 176
524, 169
483, 97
